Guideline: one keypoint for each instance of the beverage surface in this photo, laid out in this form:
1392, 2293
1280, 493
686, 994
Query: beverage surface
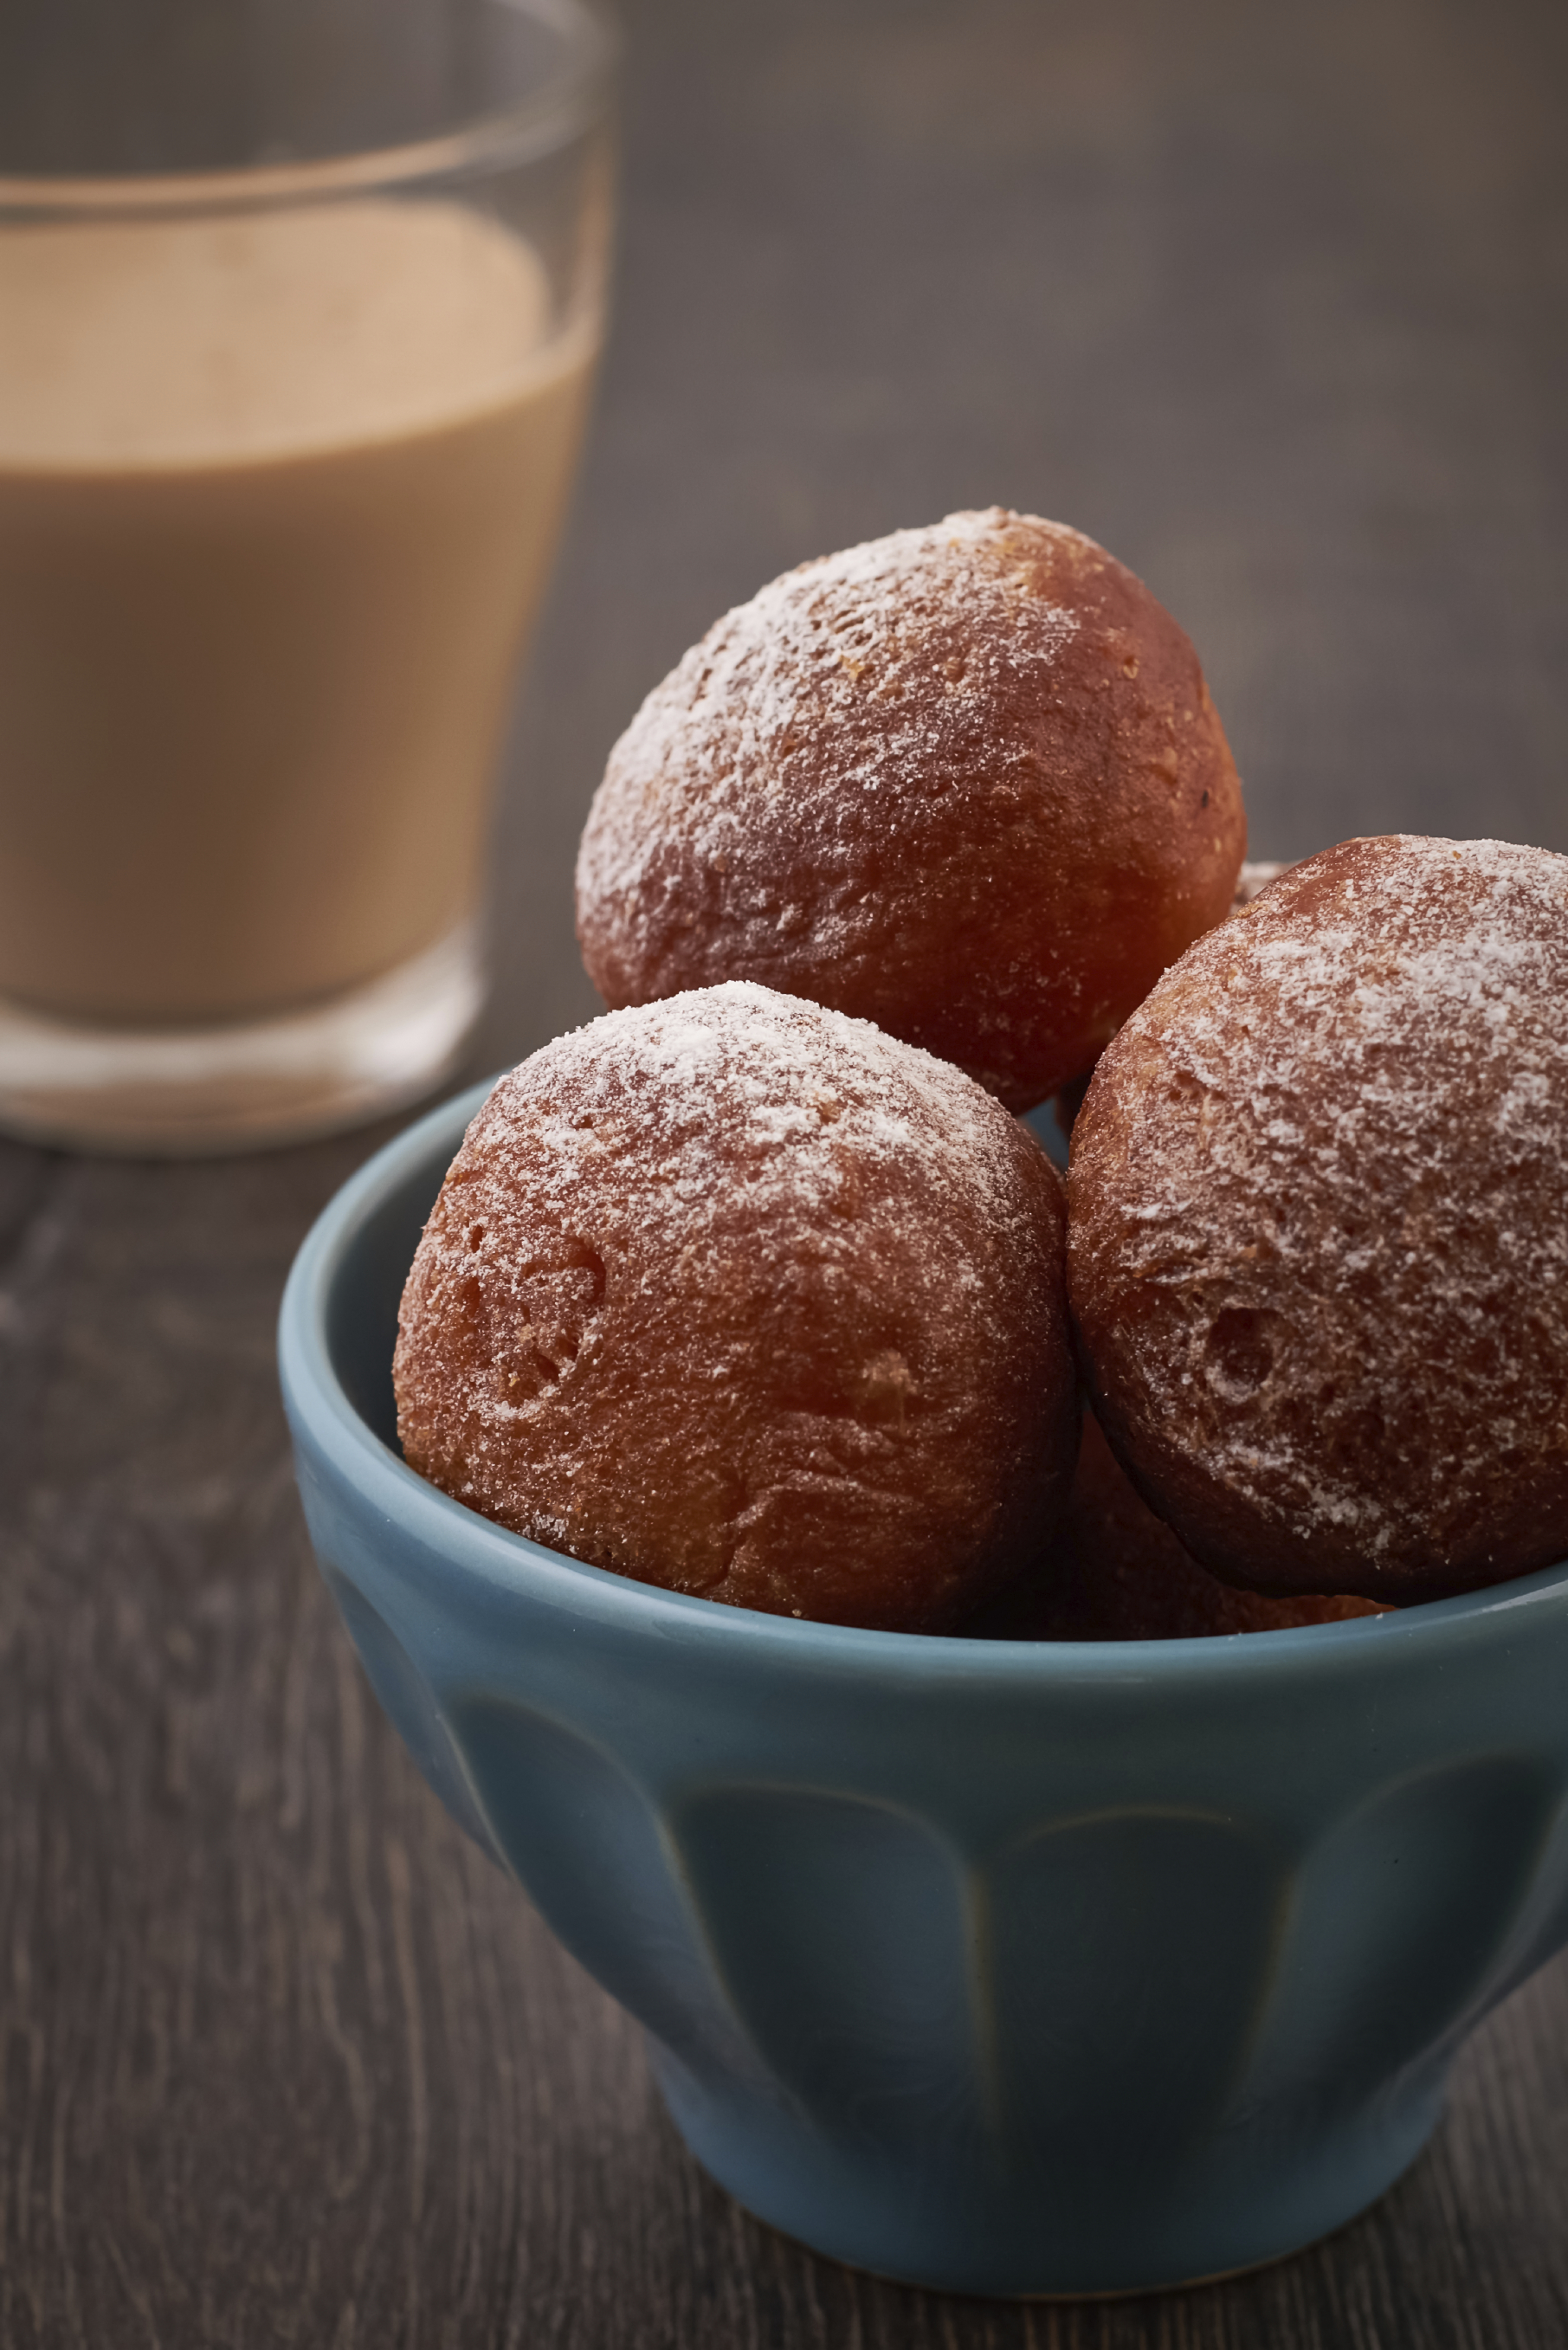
278, 494
185, 343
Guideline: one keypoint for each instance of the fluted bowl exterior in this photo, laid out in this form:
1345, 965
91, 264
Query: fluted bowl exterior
1004, 1967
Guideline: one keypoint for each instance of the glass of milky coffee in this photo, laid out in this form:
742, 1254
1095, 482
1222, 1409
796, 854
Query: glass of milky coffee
299, 305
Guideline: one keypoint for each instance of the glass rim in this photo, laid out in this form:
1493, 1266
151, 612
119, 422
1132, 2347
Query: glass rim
569, 100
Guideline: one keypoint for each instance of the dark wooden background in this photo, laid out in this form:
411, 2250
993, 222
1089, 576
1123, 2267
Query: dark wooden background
1271, 300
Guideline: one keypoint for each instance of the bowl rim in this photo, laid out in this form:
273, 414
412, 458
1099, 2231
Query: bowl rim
503, 1563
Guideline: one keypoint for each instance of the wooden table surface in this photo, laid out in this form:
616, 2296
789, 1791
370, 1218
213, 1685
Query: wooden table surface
1271, 300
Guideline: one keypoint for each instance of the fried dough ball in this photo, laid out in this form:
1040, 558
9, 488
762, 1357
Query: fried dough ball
966, 782
1251, 880
737, 1295
1318, 1256
1116, 1572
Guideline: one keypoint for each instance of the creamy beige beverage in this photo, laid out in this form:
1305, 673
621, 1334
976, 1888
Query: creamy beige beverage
278, 493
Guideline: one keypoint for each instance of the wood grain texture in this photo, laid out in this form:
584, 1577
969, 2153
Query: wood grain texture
1271, 302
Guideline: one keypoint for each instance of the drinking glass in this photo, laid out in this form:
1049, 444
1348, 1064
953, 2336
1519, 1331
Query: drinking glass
299, 307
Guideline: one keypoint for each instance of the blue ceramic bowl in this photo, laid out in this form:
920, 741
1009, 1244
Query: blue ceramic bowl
1006, 1968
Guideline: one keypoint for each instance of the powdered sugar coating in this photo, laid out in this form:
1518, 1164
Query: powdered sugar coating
736, 1295
964, 781
1253, 878
1114, 1571
1318, 1250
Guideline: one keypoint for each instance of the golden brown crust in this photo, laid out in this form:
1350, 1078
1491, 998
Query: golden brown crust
736, 1295
1250, 880
1317, 1250
966, 782
1116, 1572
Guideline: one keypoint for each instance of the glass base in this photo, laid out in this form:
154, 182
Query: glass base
194, 1092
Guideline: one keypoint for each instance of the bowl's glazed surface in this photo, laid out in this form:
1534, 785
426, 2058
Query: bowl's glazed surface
1004, 1967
